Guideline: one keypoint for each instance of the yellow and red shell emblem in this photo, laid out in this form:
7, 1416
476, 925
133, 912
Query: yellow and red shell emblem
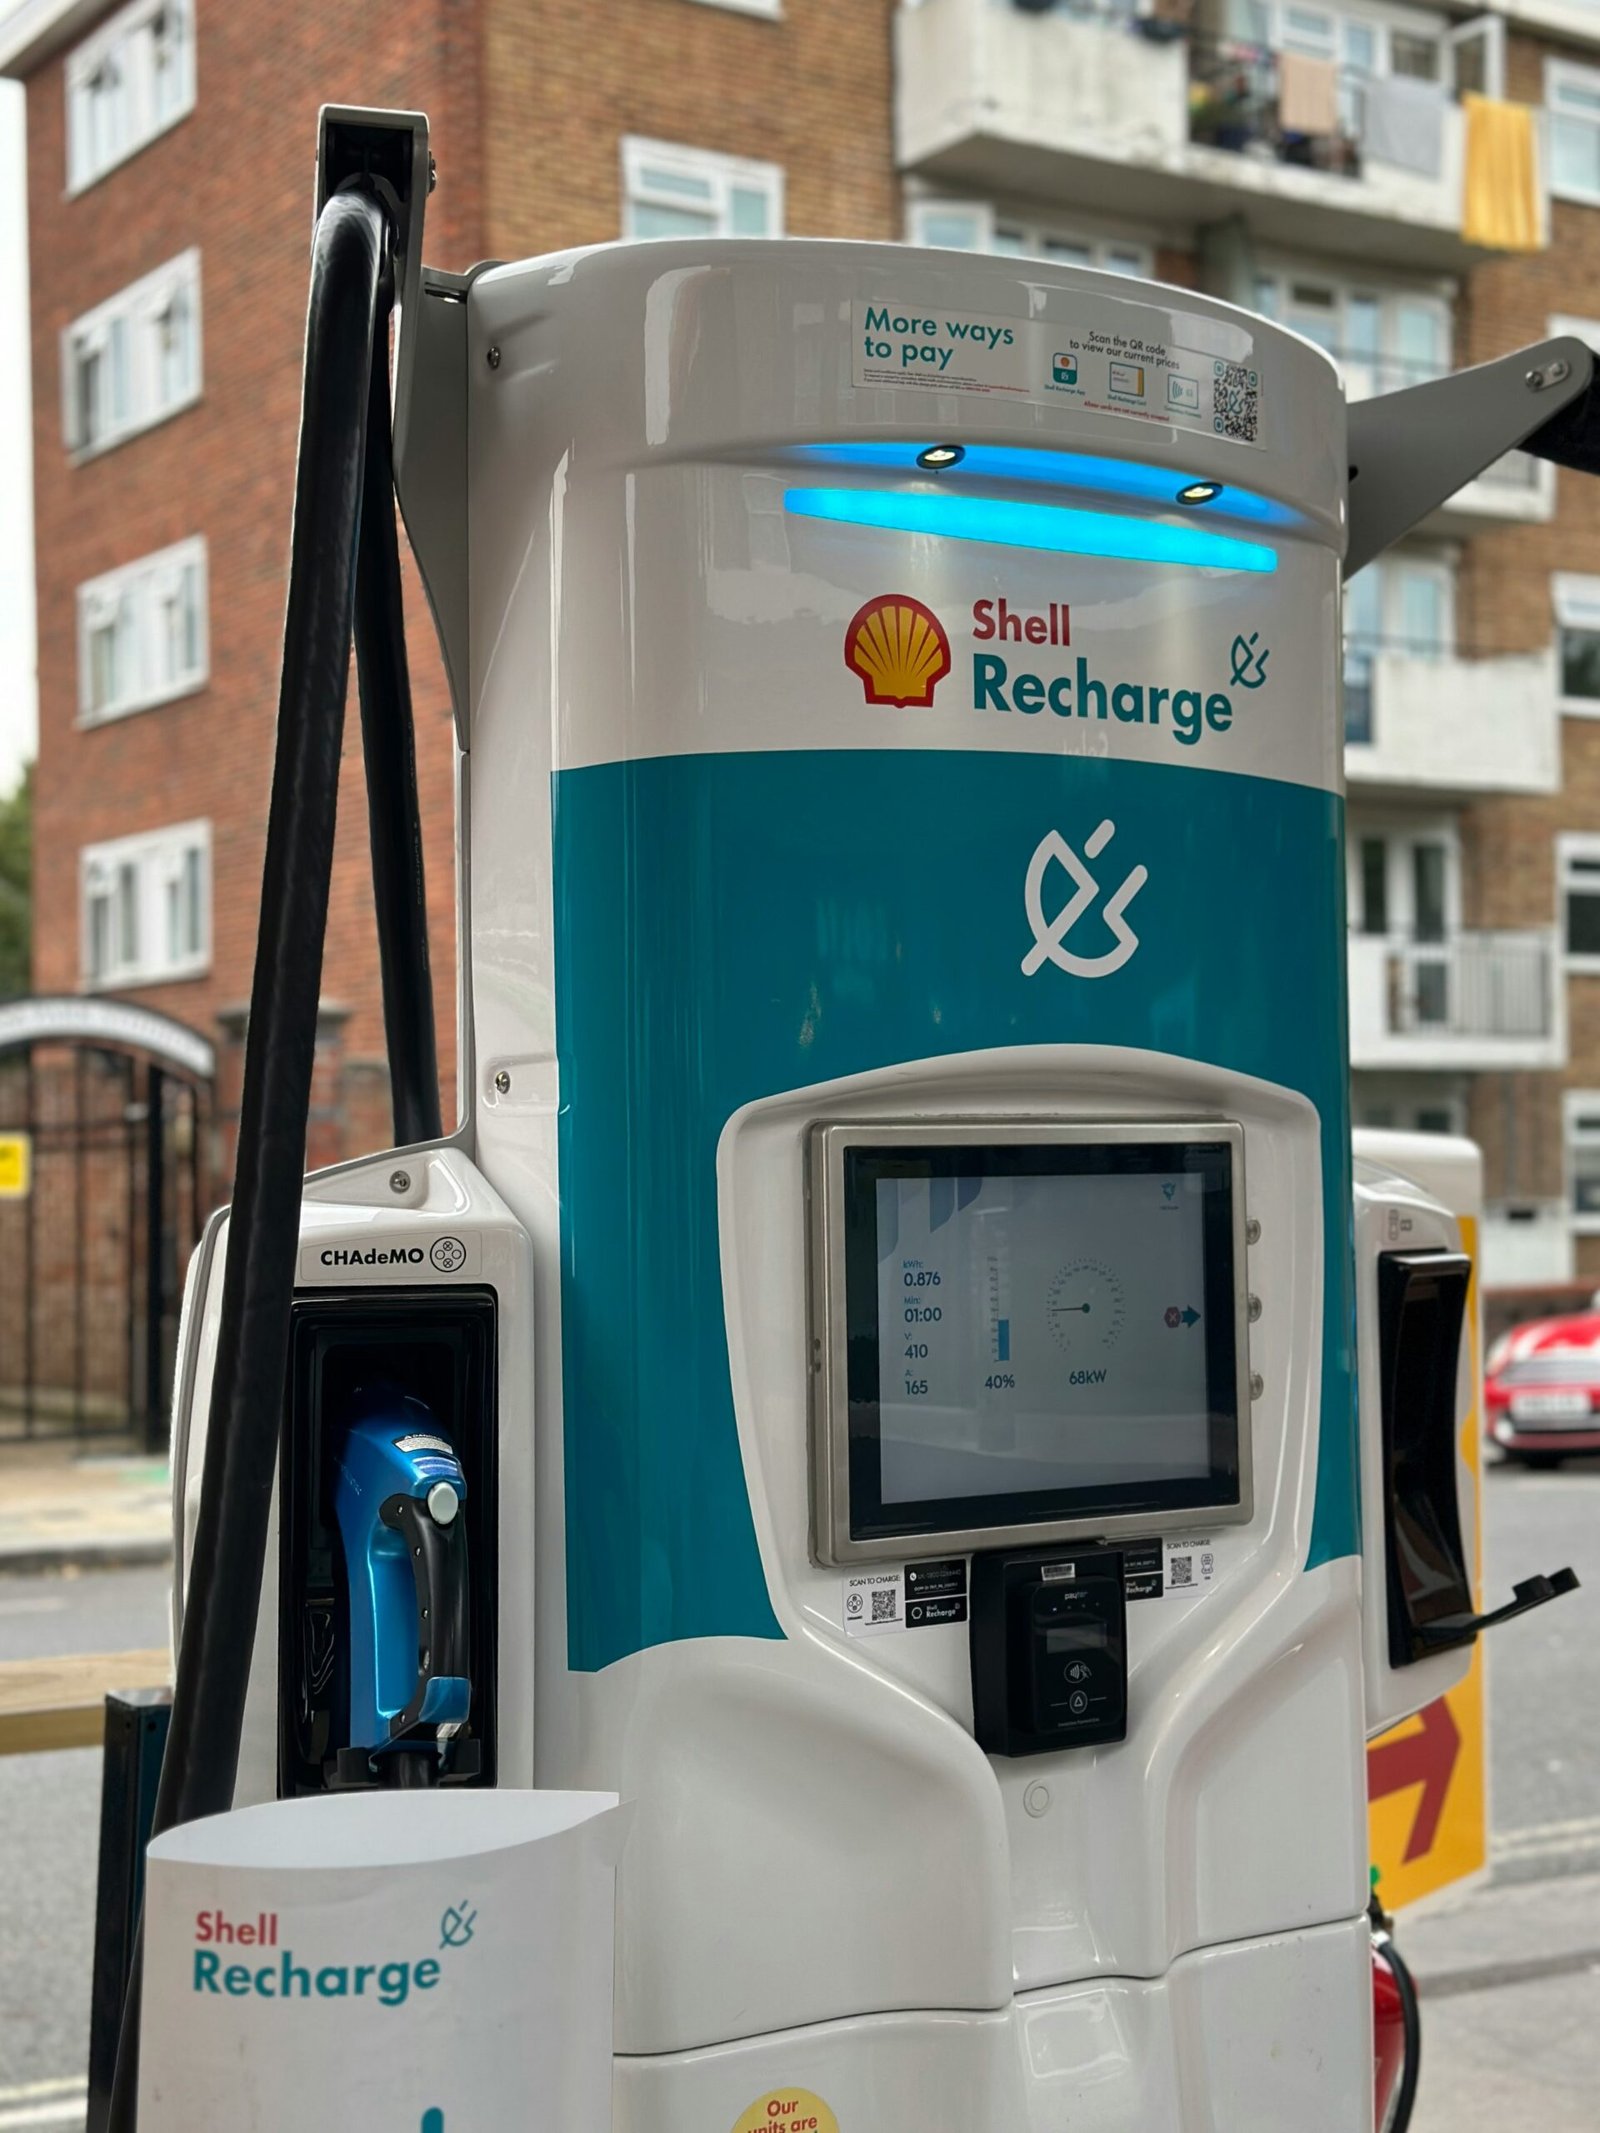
899, 649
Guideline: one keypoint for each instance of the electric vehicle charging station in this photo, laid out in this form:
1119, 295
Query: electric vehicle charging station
888, 1309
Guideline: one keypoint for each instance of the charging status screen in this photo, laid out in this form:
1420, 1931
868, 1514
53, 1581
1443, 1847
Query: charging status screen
1049, 1325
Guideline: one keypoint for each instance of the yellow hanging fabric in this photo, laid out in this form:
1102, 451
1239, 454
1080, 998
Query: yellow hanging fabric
1501, 204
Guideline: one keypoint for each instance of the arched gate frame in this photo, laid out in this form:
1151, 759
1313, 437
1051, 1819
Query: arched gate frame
115, 1103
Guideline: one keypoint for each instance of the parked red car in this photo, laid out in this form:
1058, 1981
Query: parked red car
1542, 1389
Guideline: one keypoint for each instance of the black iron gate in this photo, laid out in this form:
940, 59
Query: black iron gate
116, 1120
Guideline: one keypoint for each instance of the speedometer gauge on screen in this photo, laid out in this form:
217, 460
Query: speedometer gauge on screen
1026, 1333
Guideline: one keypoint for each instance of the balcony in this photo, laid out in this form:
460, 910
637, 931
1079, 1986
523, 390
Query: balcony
1474, 1001
1419, 719
1515, 490
1150, 118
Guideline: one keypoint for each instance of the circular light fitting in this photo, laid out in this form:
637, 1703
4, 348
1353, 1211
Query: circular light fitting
1199, 492
939, 456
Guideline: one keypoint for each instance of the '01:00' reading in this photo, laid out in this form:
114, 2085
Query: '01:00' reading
916, 1276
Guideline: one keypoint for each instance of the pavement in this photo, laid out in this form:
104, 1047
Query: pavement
61, 1508
1509, 1980
1508, 1969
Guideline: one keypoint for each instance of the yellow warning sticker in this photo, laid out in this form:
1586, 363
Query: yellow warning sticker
787, 2111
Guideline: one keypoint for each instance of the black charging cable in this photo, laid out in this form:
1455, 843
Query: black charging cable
343, 345
1404, 2100
394, 814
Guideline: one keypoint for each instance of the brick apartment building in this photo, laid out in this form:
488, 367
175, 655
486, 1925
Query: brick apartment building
1319, 160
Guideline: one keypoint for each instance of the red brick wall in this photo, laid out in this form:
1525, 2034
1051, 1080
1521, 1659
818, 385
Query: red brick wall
234, 178
563, 82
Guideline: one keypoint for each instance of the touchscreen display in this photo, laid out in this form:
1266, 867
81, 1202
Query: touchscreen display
1039, 1331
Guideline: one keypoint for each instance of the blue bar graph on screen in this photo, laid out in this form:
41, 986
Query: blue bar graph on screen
1002, 1340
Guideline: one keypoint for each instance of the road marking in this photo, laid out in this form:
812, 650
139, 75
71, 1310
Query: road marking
35, 2104
1538, 1835
1490, 1977
31, 2117
36, 1606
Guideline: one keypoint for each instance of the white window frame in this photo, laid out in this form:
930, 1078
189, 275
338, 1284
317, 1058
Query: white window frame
1576, 848
1575, 604
1381, 22
1558, 73
1389, 297
141, 589
126, 41
155, 859
138, 310
772, 9
722, 173
1573, 1102
989, 219
1398, 838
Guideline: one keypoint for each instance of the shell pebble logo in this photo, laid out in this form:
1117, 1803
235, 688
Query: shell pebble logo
899, 649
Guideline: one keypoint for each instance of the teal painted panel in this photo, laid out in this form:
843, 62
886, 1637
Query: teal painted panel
731, 926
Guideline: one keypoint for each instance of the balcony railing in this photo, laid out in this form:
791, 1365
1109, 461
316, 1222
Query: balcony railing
1492, 985
1236, 102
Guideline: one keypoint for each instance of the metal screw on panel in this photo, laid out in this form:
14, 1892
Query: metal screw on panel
1252, 1231
502, 1082
1552, 374
493, 359
1258, 1384
1255, 1309
399, 1181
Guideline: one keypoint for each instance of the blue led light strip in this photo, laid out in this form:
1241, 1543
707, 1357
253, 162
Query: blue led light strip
1007, 524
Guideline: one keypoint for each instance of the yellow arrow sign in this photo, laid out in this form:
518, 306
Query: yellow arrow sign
16, 1166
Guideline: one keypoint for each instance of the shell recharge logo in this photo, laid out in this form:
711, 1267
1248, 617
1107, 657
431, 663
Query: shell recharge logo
899, 649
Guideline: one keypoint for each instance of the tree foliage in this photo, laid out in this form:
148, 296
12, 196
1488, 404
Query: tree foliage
16, 895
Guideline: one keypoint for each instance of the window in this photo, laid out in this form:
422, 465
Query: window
135, 360
1381, 338
688, 192
1403, 604
147, 907
1578, 880
1362, 43
1572, 99
1374, 885
142, 633
1581, 1117
773, 8
1577, 611
976, 226
126, 84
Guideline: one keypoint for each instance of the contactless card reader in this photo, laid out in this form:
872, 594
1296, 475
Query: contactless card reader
1049, 1650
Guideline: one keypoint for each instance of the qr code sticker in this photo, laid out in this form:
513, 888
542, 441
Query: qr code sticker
885, 1604
1236, 402
1180, 1570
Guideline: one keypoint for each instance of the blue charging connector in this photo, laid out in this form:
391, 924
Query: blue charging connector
399, 1501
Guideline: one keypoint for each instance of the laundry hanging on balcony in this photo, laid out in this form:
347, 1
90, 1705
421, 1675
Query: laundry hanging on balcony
1308, 95
1402, 123
1501, 202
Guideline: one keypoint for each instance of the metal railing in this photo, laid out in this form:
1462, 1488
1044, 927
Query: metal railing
1470, 985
